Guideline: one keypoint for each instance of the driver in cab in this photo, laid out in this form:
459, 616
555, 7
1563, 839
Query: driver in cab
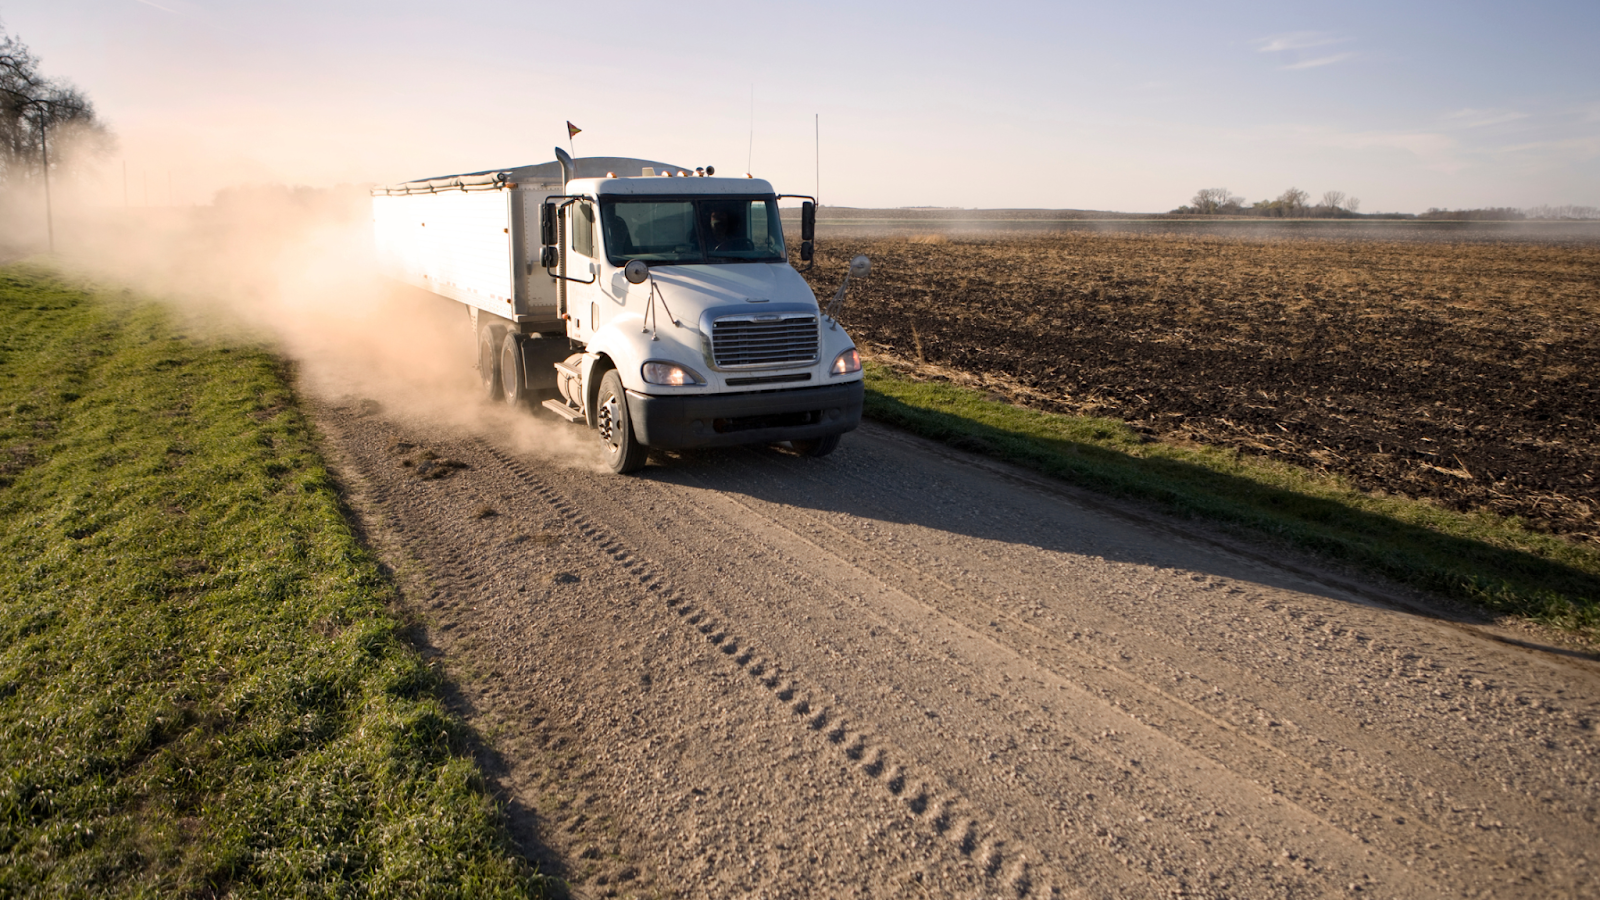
726, 232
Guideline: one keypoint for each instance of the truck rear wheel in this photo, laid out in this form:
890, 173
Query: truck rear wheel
623, 453
513, 387
489, 362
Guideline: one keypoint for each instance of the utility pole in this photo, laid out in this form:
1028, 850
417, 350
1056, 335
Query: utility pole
49, 215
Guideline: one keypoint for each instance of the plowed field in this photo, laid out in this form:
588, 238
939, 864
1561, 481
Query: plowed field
1461, 372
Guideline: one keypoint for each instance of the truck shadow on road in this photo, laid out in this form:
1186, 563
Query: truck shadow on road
1331, 550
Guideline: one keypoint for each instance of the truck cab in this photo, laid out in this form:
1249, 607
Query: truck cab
719, 342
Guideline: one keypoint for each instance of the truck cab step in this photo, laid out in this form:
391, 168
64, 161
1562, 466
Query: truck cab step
563, 410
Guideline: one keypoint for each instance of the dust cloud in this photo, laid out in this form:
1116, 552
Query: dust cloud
296, 267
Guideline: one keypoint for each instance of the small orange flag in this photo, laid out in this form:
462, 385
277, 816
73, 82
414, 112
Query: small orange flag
572, 130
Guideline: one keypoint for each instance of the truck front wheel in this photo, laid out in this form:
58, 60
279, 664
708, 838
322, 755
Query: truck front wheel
623, 453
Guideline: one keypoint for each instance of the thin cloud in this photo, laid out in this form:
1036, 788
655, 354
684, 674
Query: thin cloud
1574, 149
1482, 118
1320, 61
156, 5
1299, 40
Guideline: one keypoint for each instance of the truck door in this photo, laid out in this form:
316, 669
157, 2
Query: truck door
583, 270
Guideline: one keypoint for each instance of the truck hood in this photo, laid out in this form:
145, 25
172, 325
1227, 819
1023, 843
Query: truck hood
691, 290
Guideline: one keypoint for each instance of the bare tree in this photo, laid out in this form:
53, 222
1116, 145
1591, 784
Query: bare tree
20, 85
1292, 201
1206, 200
1333, 199
1353, 204
1215, 200
38, 115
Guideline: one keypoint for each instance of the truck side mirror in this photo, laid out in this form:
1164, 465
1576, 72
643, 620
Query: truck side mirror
808, 224
547, 257
860, 267
806, 251
547, 225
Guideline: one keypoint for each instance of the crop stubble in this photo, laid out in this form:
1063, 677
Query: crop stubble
1461, 372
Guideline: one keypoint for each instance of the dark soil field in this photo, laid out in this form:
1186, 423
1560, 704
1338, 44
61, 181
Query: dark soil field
1468, 373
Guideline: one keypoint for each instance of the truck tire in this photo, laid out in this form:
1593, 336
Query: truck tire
513, 387
821, 446
623, 453
489, 362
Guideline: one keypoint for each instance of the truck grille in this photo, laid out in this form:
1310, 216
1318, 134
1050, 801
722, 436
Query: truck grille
752, 342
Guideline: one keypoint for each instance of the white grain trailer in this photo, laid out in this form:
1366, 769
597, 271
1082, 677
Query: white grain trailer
654, 303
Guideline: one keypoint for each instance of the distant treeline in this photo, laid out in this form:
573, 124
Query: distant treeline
1488, 213
1512, 214
1295, 203
1562, 212
1291, 204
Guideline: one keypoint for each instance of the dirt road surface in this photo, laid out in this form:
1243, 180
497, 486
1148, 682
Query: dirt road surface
904, 672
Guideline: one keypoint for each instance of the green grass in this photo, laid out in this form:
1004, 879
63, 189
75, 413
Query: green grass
1487, 560
202, 688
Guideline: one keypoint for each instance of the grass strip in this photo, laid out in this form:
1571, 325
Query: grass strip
1484, 559
202, 688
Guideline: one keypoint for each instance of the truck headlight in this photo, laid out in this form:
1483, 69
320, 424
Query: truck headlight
670, 373
847, 362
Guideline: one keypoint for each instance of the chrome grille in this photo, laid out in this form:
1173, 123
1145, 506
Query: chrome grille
756, 341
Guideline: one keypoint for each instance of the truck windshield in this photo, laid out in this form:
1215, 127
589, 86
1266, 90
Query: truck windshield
706, 229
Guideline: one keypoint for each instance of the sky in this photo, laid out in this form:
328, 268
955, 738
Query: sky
1131, 106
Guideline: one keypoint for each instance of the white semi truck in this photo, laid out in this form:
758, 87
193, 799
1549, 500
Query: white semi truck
654, 303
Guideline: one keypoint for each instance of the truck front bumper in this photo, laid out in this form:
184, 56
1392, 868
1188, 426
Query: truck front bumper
757, 417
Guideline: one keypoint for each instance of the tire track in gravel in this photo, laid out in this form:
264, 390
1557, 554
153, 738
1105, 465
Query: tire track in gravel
1121, 740
1004, 861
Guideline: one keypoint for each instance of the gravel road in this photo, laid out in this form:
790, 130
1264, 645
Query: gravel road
901, 671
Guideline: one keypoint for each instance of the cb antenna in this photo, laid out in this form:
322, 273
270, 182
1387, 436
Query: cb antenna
751, 154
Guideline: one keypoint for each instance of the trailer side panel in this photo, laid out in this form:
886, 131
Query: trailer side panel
456, 243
